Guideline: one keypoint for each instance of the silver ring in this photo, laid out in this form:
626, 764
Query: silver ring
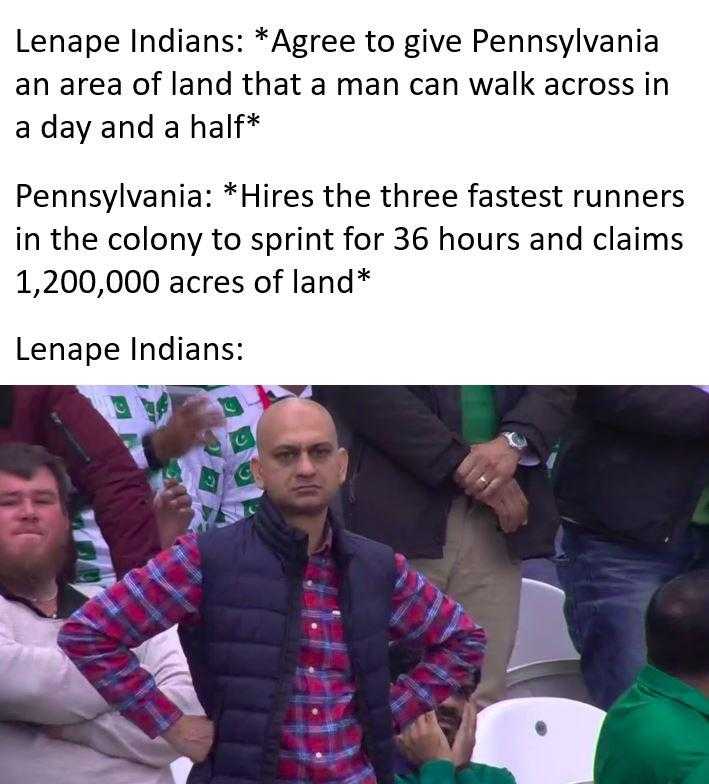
483, 480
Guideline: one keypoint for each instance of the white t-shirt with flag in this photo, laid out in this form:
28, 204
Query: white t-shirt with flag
219, 477
133, 412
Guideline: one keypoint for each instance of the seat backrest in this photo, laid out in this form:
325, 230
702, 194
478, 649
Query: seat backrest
542, 634
541, 740
560, 678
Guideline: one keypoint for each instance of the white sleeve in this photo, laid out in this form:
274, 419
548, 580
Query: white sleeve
41, 686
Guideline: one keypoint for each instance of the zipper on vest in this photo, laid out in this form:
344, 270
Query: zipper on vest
289, 662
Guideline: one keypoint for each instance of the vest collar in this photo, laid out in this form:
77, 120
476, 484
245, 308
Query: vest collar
290, 544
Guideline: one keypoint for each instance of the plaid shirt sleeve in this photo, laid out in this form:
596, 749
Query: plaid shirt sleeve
453, 644
98, 638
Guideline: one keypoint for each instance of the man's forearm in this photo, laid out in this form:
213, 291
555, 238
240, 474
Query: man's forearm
114, 671
452, 644
98, 638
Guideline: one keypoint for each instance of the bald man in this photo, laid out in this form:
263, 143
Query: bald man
286, 620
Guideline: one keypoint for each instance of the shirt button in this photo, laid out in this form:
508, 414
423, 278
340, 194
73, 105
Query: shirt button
315, 711
311, 670
313, 626
318, 755
309, 583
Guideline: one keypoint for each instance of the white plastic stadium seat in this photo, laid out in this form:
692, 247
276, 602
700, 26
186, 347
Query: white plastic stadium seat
542, 634
548, 679
180, 769
541, 740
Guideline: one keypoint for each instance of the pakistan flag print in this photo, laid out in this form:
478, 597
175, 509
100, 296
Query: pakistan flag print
133, 412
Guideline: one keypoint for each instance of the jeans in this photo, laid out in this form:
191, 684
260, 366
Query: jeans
608, 587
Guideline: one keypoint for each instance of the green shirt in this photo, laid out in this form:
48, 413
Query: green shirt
479, 414
656, 733
443, 772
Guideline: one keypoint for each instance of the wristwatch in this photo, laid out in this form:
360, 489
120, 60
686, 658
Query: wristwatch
515, 440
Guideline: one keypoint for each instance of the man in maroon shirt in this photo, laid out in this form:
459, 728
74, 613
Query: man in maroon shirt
288, 577
101, 468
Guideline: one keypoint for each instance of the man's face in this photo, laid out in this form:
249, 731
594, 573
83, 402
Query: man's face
33, 525
299, 464
449, 715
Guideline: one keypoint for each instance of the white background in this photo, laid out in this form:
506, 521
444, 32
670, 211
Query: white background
520, 317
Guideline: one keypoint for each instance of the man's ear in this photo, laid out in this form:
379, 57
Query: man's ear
256, 471
343, 460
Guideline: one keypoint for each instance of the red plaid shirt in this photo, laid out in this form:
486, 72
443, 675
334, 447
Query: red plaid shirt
321, 738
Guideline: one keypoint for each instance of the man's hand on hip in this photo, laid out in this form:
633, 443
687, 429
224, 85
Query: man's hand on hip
192, 736
487, 468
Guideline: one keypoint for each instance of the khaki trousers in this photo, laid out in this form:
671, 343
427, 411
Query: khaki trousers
478, 571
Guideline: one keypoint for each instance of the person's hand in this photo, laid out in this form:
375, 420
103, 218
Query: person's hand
511, 506
191, 736
487, 468
423, 740
189, 425
173, 512
464, 742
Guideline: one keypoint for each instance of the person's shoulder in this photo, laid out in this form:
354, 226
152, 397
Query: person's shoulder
660, 729
220, 536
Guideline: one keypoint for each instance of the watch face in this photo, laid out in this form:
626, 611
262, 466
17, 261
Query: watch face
517, 441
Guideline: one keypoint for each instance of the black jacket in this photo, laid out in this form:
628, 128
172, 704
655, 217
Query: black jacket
243, 655
405, 444
635, 461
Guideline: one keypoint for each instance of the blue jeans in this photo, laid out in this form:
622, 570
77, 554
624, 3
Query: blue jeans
608, 587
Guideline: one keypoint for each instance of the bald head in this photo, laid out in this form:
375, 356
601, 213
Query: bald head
283, 414
299, 463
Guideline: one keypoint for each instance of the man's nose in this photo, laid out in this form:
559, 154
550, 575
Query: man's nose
28, 508
305, 465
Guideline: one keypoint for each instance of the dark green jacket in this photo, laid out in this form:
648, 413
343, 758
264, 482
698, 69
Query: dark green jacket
656, 733
443, 772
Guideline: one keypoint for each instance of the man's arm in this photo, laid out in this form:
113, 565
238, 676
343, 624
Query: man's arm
541, 415
401, 426
103, 470
99, 636
115, 736
34, 682
452, 645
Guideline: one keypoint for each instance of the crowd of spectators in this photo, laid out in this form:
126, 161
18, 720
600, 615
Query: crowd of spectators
308, 540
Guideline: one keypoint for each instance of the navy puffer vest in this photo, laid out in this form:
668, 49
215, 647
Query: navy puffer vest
244, 654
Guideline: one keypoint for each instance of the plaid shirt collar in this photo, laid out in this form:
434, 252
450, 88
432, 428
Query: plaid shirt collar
290, 544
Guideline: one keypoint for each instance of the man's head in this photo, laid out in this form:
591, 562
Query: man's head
299, 463
35, 533
677, 626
